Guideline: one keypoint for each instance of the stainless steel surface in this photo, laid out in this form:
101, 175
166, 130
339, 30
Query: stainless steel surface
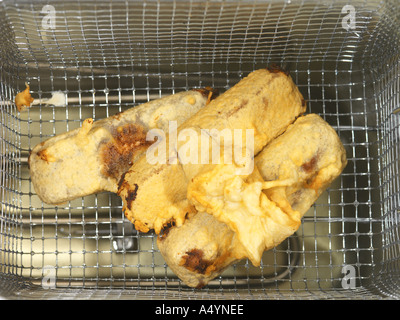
109, 56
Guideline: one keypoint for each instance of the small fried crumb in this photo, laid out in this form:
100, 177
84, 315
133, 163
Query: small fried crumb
23, 100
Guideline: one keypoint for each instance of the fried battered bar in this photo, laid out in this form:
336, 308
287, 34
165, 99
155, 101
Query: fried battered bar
240, 217
92, 158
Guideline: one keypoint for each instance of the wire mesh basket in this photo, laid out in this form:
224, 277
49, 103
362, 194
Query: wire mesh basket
109, 56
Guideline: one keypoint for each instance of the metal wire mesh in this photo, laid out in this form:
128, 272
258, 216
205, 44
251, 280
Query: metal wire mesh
109, 56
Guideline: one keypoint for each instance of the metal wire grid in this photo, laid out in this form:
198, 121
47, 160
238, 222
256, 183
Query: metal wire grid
110, 56
388, 83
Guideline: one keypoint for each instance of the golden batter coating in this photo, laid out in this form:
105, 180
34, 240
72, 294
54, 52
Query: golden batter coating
93, 158
242, 216
266, 101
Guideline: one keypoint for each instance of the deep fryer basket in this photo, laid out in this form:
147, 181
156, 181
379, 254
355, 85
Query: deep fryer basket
109, 56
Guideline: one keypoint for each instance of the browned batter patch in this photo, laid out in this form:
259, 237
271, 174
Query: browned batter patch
128, 141
131, 196
310, 165
165, 230
122, 182
274, 68
45, 156
170, 224
193, 261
